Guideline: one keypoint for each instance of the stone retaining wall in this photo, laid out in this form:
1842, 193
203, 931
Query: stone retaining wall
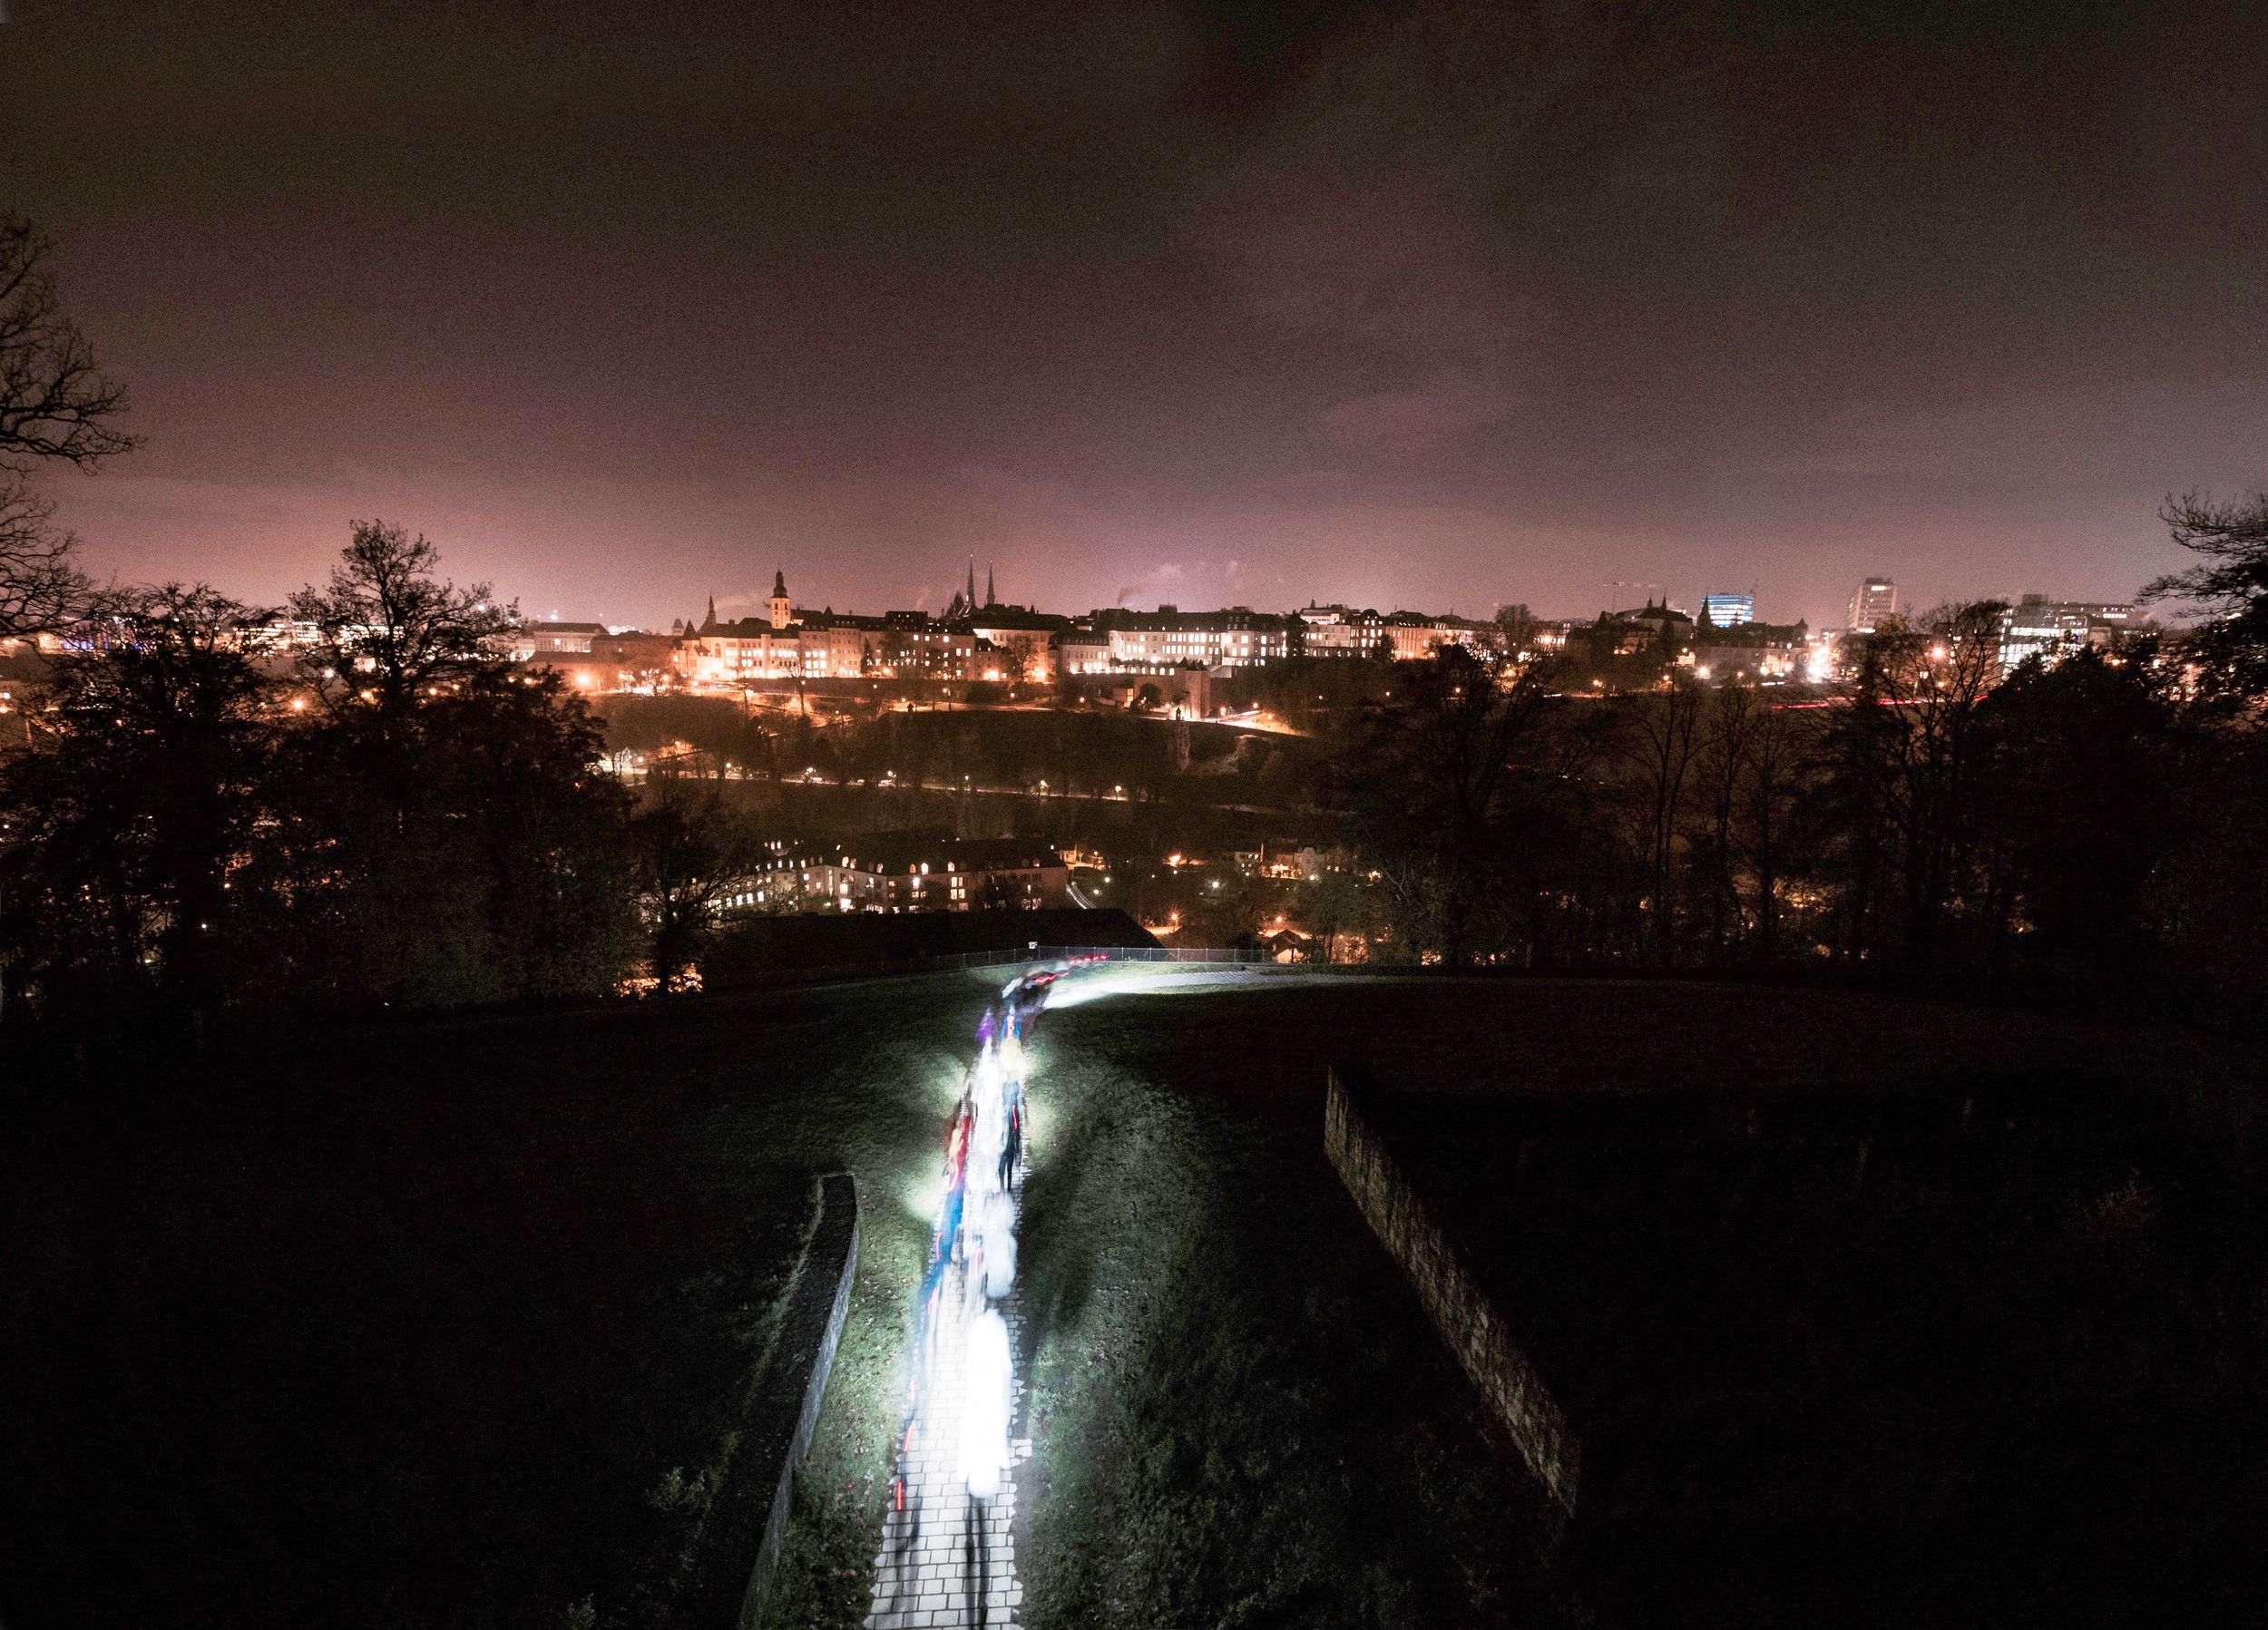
787, 1406
1451, 1298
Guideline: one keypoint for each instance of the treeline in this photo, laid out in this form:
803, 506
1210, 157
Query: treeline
1090, 752
2099, 825
401, 818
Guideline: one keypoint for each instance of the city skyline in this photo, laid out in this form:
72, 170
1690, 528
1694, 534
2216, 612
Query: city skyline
961, 815
754, 606
1153, 304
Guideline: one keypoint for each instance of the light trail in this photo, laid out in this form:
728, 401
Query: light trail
948, 1550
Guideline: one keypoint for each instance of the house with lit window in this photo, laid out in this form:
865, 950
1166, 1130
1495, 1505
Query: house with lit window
1391, 636
1160, 641
904, 871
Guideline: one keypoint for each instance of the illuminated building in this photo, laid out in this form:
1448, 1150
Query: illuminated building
1396, 636
1873, 604
905, 871
1169, 637
2051, 630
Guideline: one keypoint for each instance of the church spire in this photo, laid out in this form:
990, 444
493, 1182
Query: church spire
712, 623
990, 599
969, 595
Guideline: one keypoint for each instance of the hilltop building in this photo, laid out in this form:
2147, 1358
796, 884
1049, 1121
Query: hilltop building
788, 643
1634, 632
1874, 603
550, 639
1160, 641
1394, 637
1749, 653
905, 871
1028, 641
1082, 649
2052, 629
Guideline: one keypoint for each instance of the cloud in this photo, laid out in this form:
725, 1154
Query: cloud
1157, 577
1448, 405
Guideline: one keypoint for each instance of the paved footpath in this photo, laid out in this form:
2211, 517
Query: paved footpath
947, 1560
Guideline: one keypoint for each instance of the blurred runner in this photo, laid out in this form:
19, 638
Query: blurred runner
987, 1397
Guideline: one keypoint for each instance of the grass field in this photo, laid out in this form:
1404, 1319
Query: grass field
449, 1325
1239, 1415
1243, 1419
453, 1324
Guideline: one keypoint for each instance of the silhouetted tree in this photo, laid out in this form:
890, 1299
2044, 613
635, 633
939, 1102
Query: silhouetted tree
2229, 587
390, 635
444, 835
140, 796
56, 408
1338, 902
519, 763
1659, 734
1900, 775
1729, 728
687, 849
2074, 806
1444, 794
1781, 761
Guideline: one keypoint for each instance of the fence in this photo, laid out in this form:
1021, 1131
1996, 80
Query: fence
1461, 1311
787, 1408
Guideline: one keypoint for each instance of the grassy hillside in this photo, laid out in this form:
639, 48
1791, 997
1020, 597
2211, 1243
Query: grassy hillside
449, 1325
1241, 1416
452, 1324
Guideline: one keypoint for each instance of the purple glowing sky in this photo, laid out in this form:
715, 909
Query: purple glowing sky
1142, 302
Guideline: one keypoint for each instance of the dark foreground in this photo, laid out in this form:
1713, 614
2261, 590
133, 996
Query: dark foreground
454, 1325
2011, 1374
448, 1325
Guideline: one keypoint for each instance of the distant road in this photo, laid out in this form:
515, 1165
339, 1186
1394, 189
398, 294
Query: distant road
1115, 796
785, 702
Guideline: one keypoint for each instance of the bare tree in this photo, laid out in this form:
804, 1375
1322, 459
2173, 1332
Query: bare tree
2229, 589
1781, 748
1728, 738
688, 850
55, 407
1662, 735
121, 828
1905, 762
41, 587
389, 632
1442, 800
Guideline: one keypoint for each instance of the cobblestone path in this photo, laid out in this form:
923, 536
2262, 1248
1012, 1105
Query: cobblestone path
946, 1559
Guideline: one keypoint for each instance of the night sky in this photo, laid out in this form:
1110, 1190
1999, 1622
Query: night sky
625, 306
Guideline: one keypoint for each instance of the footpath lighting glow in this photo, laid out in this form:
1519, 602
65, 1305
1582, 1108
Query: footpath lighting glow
948, 1549
997, 1218
988, 1382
